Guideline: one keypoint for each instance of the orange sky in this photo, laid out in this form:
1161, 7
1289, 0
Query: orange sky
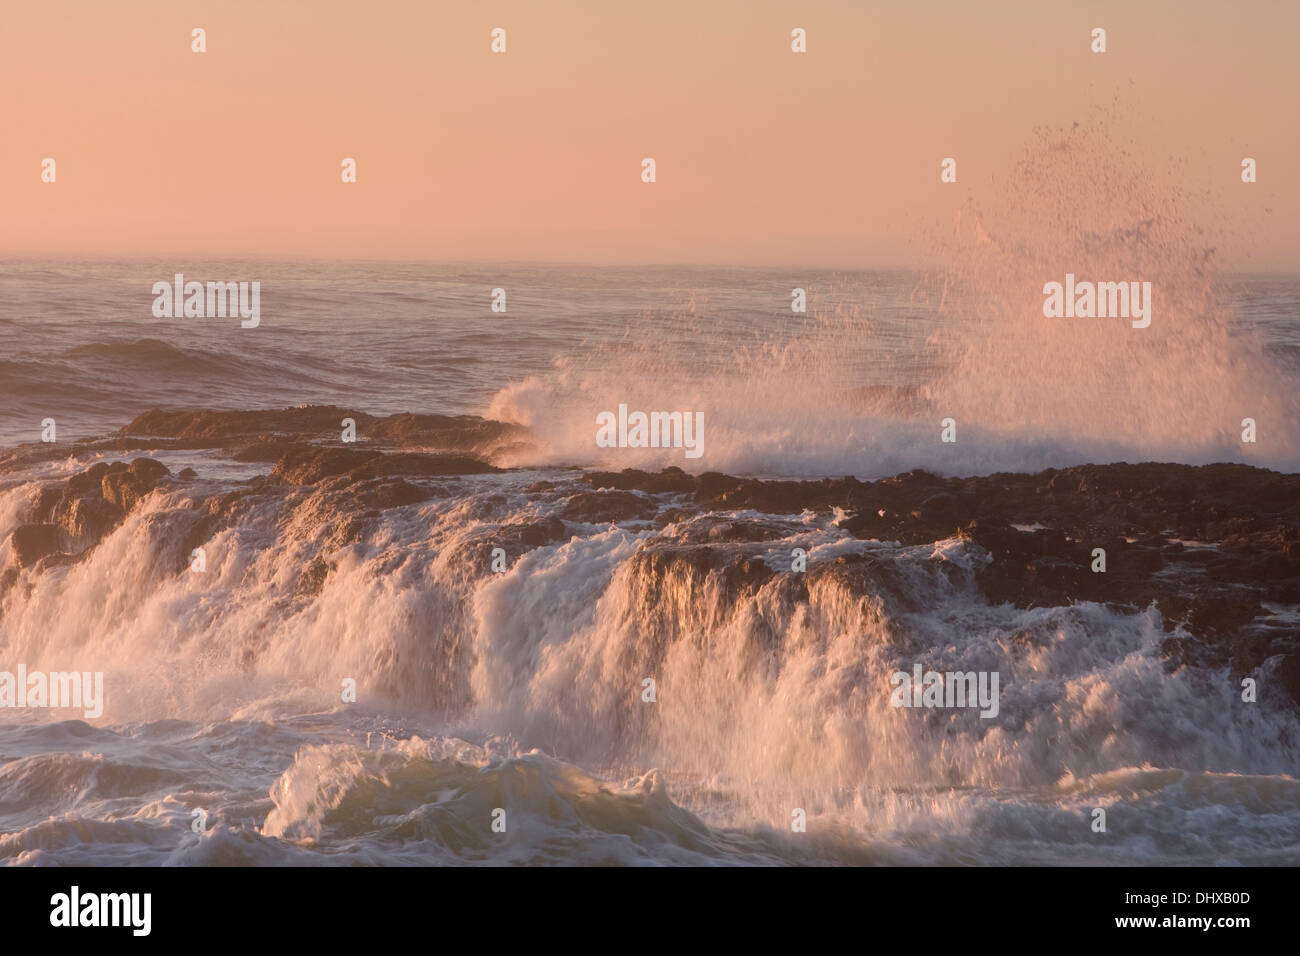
829, 158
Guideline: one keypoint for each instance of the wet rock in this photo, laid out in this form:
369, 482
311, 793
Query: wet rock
124, 487
937, 508
312, 580
413, 464
259, 430
728, 531
1053, 581
872, 526
195, 536
89, 480
718, 489
670, 480
465, 432
32, 542
1006, 543
60, 559
307, 464
216, 425
148, 469
599, 507
688, 570
351, 530
267, 448
1252, 515
537, 533
1222, 612
746, 574
1288, 674
384, 493
869, 576
46, 500
87, 518
91, 503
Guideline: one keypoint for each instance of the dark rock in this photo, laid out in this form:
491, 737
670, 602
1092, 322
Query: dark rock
88, 518
212, 428
59, 559
413, 464
211, 424
351, 530
724, 531
123, 489
148, 469
308, 464
536, 534
389, 493
1288, 673
670, 480
32, 542
88, 480
195, 536
870, 525
268, 449
312, 581
46, 500
940, 507
598, 507
1222, 612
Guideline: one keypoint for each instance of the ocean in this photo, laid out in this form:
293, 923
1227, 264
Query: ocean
516, 682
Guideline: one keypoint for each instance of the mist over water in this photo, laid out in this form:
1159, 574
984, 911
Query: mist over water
860, 386
1178, 390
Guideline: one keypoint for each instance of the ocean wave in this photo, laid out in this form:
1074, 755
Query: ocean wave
772, 687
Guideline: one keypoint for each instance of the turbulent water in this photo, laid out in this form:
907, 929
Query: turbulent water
523, 690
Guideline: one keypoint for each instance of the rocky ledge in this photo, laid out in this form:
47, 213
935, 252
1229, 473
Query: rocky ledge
1215, 548
264, 435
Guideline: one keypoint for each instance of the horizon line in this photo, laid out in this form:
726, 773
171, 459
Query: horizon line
507, 263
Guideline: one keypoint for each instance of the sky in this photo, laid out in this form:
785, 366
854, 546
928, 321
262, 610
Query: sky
763, 156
